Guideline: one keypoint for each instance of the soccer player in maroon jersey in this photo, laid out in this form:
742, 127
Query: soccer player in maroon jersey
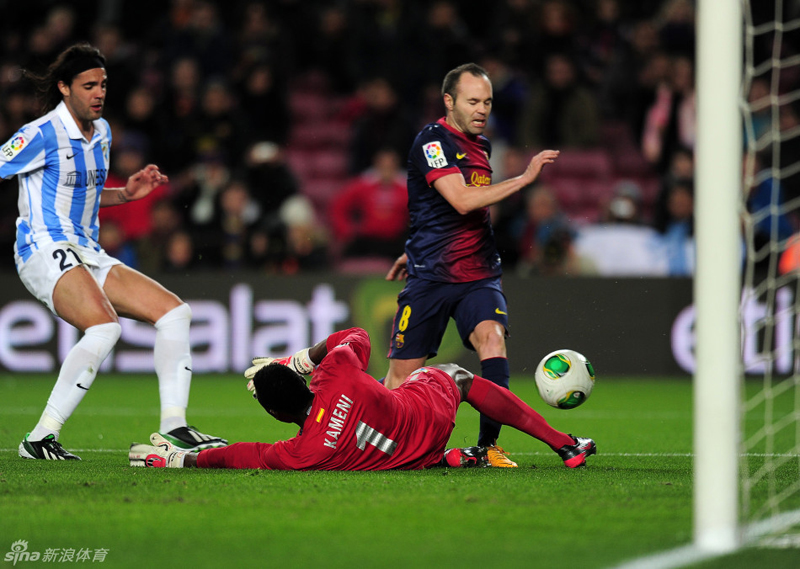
349, 421
451, 261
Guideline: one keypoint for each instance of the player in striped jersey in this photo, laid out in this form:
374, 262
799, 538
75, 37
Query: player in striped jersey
61, 161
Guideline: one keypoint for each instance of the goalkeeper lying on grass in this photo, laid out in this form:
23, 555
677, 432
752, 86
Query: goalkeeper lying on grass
349, 421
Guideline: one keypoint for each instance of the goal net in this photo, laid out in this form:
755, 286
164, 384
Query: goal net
770, 211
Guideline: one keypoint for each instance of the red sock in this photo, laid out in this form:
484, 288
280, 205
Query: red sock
503, 406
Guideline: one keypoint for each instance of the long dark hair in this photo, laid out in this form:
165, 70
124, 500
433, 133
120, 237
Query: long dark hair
71, 62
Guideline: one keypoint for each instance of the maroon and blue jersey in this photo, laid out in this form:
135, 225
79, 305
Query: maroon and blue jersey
444, 245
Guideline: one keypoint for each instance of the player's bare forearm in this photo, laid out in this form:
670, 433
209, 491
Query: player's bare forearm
466, 198
113, 196
237, 455
318, 351
139, 186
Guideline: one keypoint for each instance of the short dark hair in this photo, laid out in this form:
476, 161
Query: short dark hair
281, 389
70, 62
454, 76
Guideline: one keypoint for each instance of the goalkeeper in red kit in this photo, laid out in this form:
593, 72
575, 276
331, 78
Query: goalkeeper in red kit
349, 421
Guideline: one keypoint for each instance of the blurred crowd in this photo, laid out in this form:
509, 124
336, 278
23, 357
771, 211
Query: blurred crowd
284, 126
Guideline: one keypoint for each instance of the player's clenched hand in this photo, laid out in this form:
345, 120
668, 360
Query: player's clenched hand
538, 162
399, 270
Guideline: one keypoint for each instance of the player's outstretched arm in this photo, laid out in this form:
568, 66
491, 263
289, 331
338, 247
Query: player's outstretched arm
139, 186
466, 198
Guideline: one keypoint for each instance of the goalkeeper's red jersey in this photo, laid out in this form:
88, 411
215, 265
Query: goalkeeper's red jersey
355, 423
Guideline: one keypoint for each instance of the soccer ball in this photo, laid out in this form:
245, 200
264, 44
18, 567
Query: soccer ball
565, 379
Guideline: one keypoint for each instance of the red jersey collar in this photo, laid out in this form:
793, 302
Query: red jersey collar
469, 137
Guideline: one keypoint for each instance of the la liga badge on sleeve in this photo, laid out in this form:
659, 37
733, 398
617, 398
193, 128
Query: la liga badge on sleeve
434, 154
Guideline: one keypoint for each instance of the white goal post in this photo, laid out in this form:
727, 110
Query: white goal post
717, 285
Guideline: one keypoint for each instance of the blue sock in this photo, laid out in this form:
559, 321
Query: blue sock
495, 370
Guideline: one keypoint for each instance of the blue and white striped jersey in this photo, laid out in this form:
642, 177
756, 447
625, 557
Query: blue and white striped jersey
60, 175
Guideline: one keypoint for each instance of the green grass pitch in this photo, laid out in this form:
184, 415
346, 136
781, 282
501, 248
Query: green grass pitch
634, 499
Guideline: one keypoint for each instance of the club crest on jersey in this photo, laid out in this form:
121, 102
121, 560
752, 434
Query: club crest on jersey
14, 146
434, 154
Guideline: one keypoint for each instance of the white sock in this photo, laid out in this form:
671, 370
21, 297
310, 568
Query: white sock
173, 363
76, 377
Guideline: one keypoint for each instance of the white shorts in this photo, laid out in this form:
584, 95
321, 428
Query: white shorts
41, 271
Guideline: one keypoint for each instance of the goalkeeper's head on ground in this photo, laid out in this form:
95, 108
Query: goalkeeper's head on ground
283, 393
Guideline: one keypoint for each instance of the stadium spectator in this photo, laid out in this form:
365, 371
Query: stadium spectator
625, 205
180, 256
759, 108
197, 193
546, 239
271, 184
63, 266
181, 107
635, 95
237, 214
348, 421
112, 239
602, 40
376, 33
263, 40
670, 121
202, 36
141, 118
765, 202
678, 232
222, 128
508, 215
510, 93
130, 156
787, 156
681, 168
263, 102
560, 111
332, 52
165, 220
556, 34
383, 124
305, 240
628, 84
369, 217
515, 22
436, 42
675, 22
450, 258
121, 64
621, 243
269, 178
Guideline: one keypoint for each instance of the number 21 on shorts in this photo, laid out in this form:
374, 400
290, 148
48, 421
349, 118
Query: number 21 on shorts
66, 258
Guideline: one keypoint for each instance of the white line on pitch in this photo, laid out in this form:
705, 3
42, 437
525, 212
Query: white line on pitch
623, 454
